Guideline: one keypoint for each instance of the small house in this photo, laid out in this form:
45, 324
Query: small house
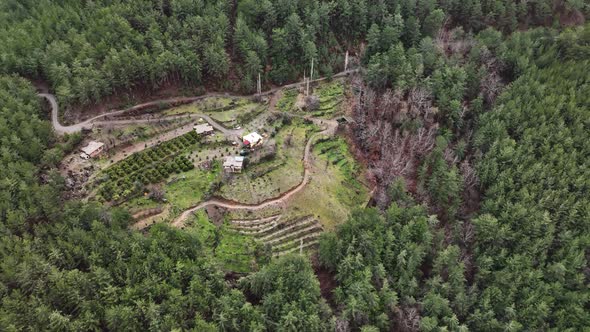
233, 164
92, 150
252, 139
204, 129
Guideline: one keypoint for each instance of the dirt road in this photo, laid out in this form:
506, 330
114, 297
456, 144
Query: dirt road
87, 124
330, 130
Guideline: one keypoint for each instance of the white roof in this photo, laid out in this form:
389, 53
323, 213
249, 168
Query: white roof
203, 128
253, 137
92, 147
235, 161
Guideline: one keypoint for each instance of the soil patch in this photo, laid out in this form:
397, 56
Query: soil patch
327, 282
215, 214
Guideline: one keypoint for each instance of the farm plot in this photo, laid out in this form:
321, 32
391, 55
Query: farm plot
179, 192
190, 188
205, 105
334, 190
152, 165
227, 111
244, 214
280, 235
331, 96
270, 178
287, 101
124, 134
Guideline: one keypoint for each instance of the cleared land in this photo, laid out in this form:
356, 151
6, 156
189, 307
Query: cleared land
334, 190
228, 111
273, 177
163, 181
330, 95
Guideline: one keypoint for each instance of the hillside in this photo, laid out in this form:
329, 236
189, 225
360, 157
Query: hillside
436, 181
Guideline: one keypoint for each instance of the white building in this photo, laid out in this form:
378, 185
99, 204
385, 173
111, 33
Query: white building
204, 129
252, 139
233, 164
92, 150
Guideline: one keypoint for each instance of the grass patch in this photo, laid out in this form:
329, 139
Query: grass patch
182, 191
271, 178
287, 101
139, 203
227, 111
334, 190
232, 251
248, 113
335, 153
331, 97
190, 188
269, 211
205, 105
184, 109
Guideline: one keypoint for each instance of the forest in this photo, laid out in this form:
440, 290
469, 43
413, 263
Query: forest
472, 118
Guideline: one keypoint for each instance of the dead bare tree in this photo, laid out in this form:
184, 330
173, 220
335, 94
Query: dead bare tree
392, 151
156, 193
408, 319
342, 325
420, 102
450, 157
469, 175
491, 86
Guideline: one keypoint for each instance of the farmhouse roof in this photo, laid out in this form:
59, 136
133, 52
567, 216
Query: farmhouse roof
92, 147
233, 161
203, 128
252, 138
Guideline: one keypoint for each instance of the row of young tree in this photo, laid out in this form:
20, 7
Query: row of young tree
89, 50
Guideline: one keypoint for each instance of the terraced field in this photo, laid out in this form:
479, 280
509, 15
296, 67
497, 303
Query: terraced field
331, 96
283, 236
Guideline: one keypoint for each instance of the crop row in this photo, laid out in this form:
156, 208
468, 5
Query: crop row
149, 166
281, 236
123, 187
138, 161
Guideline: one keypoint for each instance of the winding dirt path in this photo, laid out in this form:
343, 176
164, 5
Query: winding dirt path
87, 124
330, 130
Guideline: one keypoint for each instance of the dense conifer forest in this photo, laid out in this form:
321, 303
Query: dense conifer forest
472, 118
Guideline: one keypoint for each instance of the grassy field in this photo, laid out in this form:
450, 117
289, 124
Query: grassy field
232, 251
331, 97
330, 94
205, 105
334, 190
228, 111
243, 214
181, 192
287, 101
190, 187
140, 203
269, 179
